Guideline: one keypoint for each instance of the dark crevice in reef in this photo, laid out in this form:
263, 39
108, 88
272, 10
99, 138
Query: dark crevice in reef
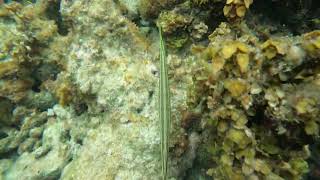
305, 70
296, 140
3, 135
297, 16
46, 71
80, 108
53, 13
314, 161
54, 175
215, 17
200, 164
10, 154
259, 117
36, 86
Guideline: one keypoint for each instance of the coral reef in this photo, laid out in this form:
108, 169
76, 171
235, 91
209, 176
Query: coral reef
259, 98
31, 55
78, 89
19, 57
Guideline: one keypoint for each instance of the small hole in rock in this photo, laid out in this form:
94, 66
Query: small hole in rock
79, 141
36, 87
81, 108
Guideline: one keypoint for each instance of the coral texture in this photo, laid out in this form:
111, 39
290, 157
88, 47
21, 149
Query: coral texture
79, 89
257, 101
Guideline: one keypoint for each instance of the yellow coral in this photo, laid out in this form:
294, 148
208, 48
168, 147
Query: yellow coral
247, 3
242, 47
311, 42
235, 9
235, 87
239, 118
305, 105
217, 64
241, 11
311, 128
273, 47
262, 166
238, 137
230, 48
226, 159
243, 62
